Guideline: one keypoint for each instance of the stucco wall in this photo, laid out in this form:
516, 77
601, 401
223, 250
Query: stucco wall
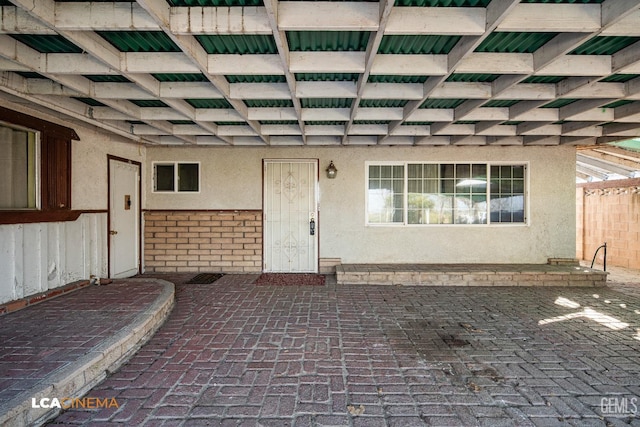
231, 178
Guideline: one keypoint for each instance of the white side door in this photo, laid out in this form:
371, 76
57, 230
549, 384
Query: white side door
290, 216
124, 219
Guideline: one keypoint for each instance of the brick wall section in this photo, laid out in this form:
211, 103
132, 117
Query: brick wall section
212, 241
610, 212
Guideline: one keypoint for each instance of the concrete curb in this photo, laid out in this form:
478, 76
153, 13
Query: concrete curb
77, 378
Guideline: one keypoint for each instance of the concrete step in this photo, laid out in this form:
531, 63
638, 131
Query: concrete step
469, 275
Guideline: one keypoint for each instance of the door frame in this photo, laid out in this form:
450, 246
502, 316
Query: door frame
138, 213
317, 198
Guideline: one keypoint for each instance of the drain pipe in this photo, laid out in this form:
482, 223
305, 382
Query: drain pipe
605, 256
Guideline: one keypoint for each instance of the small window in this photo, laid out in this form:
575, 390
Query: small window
19, 155
176, 177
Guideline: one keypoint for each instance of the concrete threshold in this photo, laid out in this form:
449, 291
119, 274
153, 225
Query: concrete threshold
469, 275
78, 377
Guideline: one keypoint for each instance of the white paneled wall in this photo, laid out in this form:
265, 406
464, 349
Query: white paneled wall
41, 256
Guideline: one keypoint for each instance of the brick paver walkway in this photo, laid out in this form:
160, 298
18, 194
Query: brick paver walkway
42, 339
234, 354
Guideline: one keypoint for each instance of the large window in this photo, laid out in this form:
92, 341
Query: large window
18, 168
176, 177
446, 193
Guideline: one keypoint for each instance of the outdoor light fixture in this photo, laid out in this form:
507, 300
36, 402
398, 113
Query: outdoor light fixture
331, 170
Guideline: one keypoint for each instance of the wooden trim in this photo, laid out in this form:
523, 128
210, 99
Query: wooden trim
614, 183
28, 217
55, 130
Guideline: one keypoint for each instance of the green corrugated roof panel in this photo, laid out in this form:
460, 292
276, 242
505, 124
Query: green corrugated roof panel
558, 103
236, 44
604, 45
442, 103
384, 78
472, 78
215, 3
107, 78
30, 75
326, 102
630, 144
559, 122
619, 78
148, 103
618, 103
501, 103
544, 79
417, 123
325, 122
508, 42
465, 122
250, 78
382, 103
371, 122
278, 122
209, 103
90, 102
47, 43
230, 123
268, 103
322, 41
140, 41
136, 122
326, 77
180, 77
443, 3
181, 122
417, 44
512, 123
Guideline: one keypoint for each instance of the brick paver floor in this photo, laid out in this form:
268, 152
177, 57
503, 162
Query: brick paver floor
235, 354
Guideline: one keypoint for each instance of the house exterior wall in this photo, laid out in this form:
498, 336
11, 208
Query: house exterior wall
38, 257
610, 212
231, 179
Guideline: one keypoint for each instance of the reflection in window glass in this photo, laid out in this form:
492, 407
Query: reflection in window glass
507, 194
188, 174
385, 194
164, 178
447, 193
18, 168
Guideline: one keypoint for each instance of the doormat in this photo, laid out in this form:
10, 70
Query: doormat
204, 278
290, 279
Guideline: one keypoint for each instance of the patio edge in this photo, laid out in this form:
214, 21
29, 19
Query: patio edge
79, 377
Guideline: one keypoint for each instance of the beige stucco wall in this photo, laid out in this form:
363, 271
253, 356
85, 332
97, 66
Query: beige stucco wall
231, 178
89, 190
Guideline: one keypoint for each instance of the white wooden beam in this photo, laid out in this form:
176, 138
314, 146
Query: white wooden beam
551, 17
437, 20
323, 62
327, 16
107, 16
14, 20
409, 65
496, 63
328, 89
219, 20
260, 91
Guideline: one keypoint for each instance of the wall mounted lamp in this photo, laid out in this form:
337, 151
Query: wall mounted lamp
331, 170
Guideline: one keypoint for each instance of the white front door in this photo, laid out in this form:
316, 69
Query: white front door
124, 218
290, 216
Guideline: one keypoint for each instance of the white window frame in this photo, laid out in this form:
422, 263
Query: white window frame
37, 166
405, 223
176, 178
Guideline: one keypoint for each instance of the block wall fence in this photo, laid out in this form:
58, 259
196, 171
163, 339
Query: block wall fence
212, 241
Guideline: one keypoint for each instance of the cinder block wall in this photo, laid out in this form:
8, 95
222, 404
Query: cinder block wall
610, 212
215, 241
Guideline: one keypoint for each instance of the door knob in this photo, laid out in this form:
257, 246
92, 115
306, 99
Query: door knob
113, 232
